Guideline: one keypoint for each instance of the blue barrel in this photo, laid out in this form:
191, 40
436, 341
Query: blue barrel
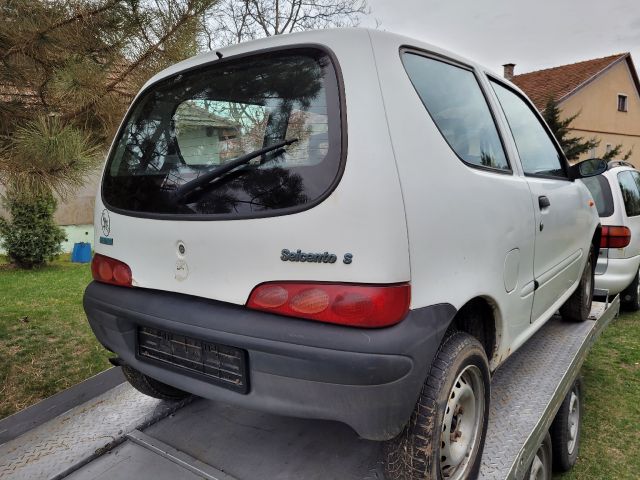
81, 252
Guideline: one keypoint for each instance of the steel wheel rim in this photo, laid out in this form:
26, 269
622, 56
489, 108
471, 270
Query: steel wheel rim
573, 422
540, 466
462, 423
538, 472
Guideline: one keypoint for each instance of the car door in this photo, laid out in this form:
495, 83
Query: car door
557, 202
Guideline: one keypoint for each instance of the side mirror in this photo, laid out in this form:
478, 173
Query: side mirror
588, 168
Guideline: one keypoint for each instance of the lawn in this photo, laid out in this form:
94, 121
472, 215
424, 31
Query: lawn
611, 428
46, 346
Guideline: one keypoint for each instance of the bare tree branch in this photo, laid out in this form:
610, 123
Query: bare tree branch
241, 20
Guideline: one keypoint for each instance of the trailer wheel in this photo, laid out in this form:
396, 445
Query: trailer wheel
152, 387
565, 430
445, 434
540, 468
631, 295
578, 306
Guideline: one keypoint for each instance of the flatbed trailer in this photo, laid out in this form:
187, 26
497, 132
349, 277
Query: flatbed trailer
122, 434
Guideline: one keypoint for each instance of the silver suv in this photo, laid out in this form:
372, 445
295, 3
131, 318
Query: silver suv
617, 196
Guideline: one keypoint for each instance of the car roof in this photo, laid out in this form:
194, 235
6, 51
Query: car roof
333, 38
620, 164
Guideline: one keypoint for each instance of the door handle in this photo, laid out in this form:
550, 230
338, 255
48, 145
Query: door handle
543, 202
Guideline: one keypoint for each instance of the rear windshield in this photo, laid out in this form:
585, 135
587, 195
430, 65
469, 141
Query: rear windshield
601, 193
198, 122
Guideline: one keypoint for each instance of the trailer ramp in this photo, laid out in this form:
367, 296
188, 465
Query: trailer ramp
214, 441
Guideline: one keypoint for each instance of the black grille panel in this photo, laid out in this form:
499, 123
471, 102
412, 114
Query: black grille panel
222, 364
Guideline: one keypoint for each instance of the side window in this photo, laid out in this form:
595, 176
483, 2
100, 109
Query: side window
601, 193
538, 154
630, 192
453, 98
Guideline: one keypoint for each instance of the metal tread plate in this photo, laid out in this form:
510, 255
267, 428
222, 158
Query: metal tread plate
528, 389
74, 438
250, 445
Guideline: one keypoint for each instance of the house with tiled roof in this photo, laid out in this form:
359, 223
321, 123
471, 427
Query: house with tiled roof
604, 91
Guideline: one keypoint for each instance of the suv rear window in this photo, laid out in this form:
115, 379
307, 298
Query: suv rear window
629, 186
197, 121
601, 193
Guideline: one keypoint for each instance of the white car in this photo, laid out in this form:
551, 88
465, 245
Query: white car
340, 224
617, 196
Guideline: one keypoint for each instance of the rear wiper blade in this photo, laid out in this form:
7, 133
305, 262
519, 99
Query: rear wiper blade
183, 190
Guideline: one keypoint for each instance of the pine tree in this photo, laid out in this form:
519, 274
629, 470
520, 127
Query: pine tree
68, 70
572, 146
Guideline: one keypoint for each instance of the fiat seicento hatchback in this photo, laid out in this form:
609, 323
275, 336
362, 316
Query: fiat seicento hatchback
341, 224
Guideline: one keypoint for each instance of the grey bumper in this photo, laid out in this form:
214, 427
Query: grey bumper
368, 379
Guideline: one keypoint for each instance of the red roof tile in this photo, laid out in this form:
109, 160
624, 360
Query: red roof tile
558, 82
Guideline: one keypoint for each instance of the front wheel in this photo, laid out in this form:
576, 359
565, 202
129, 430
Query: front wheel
445, 434
578, 306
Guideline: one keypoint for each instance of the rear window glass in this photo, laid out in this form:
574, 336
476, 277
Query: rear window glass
453, 98
630, 192
196, 124
601, 193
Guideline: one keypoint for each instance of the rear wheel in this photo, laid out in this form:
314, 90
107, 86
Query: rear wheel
445, 435
631, 295
152, 387
541, 466
565, 430
578, 306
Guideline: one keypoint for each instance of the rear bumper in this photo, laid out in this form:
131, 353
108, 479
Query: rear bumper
368, 379
617, 276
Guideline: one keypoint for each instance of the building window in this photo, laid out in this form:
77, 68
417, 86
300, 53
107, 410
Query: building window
622, 103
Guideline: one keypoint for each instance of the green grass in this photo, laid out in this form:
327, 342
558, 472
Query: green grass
46, 344
611, 429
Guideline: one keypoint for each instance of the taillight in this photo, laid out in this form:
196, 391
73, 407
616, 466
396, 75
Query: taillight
368, 306
615, 237
109, 270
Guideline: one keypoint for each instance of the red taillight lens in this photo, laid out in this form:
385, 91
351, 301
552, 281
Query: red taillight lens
368, 306
109, 270
615, 237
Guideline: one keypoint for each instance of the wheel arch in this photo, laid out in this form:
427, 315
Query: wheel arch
480, 317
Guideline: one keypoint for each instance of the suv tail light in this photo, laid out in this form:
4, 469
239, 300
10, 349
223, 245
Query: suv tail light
368, 306
109, 270
615, 237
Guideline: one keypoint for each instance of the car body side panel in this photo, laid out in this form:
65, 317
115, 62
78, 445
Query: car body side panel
363, 216
463, 222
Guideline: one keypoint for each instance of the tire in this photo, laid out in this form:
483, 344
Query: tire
630, 296
578, 306
152, 387
458, 381
540, 468
565, 430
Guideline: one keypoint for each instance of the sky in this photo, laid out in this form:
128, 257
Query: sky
533, 34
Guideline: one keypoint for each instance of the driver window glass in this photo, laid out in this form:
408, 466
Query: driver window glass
537, 152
